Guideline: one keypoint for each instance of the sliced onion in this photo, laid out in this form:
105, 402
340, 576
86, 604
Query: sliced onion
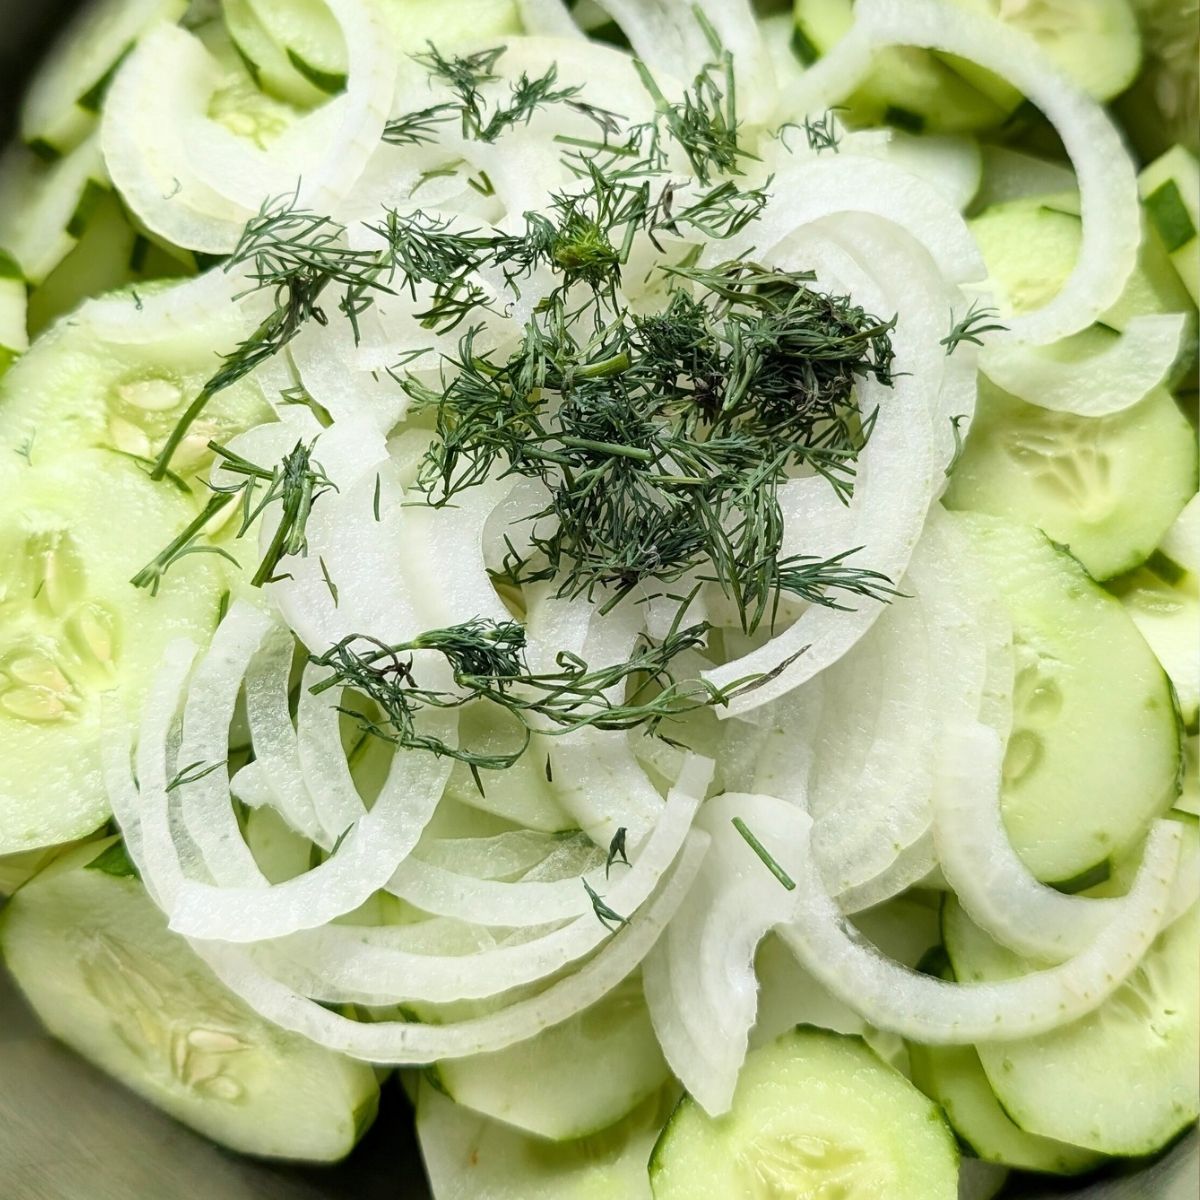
931, 1010
699, 979
414, 1043
1107, 381
370, 966
548, 17
1106, 175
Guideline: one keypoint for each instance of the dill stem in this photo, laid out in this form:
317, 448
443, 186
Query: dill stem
763, 853
210, 510
634, 452
605, 367
163, 461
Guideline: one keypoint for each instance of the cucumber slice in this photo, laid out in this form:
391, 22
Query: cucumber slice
412, 24
94, 957
1094, 752
1095, 42
587, 1073
73, 629
1181, 546
468, 1157
265, 59
16, 870
310, 38
62, 101
815, 1113
14, 303
1120, 1081
954, 1077
1080, 479
1163, 106
1189, 798
1170, 190
75, 390
46, 207
1167, 611
907, 87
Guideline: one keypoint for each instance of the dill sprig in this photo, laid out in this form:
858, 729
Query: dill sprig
605, 914
971, 328
296, 483
487, 664
616, 851
768, 860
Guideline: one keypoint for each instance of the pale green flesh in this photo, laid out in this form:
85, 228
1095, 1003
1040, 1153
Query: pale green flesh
1170, 190
93, 956
1119, 1081
815, 1114
73, 629
1094, 751
954, 1077
1079, 479
469, 1157
579, 1087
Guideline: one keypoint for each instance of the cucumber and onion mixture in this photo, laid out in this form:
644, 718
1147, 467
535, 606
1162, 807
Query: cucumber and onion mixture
640, 563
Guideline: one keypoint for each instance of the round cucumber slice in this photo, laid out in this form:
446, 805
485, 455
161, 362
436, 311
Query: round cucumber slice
1080, 479
1120, 1081
73, 629
95, 959
469, 1157
611, 1045
75, 390
815, 1113
1094, 751
954, 1077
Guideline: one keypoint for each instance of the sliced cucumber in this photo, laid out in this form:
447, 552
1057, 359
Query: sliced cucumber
1094, 752
587, 1073
265, 59
1095, 42
1120, 1081
815, 1113
1080, 479
16, 870
907, 87
73, 628
1167, 611
62, 101
94, 957
74, 389
280, 852
1181, 546
1170, 189
14, 303
46, 207
310, 38
468, 1157
1163, 106
1189, 797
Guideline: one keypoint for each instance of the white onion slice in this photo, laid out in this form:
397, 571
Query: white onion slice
550, 17
1108, 381
699, 980
1106, 176
931, 1010
414, 1043
994, 886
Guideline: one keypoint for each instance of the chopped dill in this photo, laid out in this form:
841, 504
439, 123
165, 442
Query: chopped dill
768, 860
616, 851
959, 443
608, 917
193, 773
974, 324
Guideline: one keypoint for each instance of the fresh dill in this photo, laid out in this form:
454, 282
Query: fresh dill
616, 851
959, 442
296, 483
763, 853
971, 328
487, 663
25, 449
193, 773
608, 917
333, 588
822, 133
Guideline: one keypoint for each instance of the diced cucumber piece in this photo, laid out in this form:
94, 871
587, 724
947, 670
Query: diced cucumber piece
46, 207
469, 1157
1093, 755
73, 629
954, 1077
62, 101
1170, 190
1189, 797
94, 957
14, 304
1080, 479
814, 1113
1095, 42
611, 1046
1123, 1080
1167, 611
907, 87
75, 389
1182, 541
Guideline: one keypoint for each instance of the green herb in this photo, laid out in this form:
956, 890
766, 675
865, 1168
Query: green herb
959, 444
333, 591
616, 851
762, 852
973, 325
486, 660
25, 449
609, 918
193, 773
114, 860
